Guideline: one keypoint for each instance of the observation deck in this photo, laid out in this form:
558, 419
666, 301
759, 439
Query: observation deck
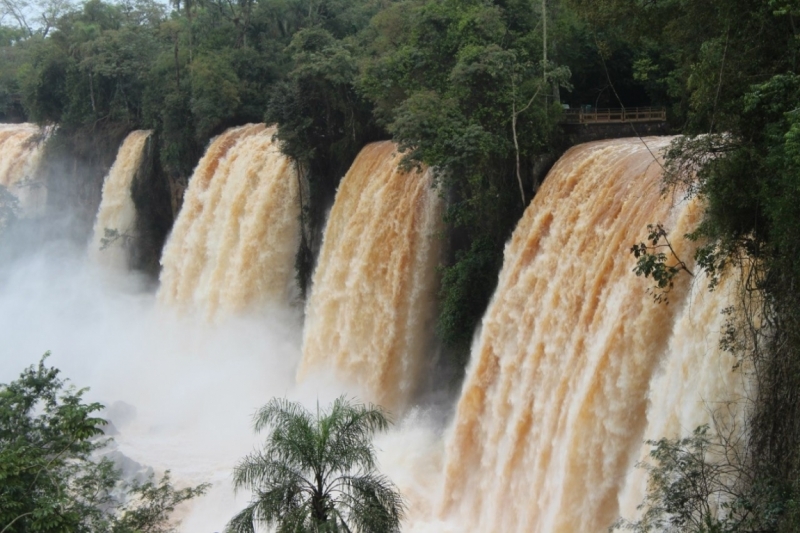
614, 116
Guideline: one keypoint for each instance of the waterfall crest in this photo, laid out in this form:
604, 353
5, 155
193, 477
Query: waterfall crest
575, 364
373, 292
233, 245
20, 153
117, 211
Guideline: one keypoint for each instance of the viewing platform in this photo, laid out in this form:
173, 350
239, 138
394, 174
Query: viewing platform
587, 115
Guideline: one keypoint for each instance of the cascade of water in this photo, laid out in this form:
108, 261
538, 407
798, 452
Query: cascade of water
575, 365
19, 157
117, 212
233, 245
373, 294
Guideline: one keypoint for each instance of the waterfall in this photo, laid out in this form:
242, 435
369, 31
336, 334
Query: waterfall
117, 212
20, 152
573, 368
373, 292
575, 365
233, 245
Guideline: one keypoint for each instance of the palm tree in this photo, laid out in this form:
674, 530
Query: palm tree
316, 473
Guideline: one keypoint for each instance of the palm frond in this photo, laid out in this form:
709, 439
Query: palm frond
280, 412
295, 444
292, 439
374, 503
352, 427
244, 521
260, 471
297, 520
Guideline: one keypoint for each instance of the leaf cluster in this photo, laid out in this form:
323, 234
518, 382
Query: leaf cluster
653, 262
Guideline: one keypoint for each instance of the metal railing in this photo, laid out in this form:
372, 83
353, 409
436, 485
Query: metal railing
608, 116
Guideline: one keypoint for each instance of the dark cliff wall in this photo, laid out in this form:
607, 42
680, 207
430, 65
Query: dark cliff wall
151, 194
73, 167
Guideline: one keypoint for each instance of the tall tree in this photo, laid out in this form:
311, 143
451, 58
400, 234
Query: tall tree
317, 472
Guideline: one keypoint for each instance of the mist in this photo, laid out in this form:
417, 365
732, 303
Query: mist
180, 391
193, 386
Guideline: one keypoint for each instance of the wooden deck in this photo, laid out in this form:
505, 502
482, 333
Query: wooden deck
612, 116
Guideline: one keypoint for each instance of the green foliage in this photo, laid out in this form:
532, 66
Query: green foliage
215, 92
700, 57
12, 59
651, 262
708, 483
93, 67
466, 287
151, 505
42, 82
681, 487
694, 487
46, 434
49, 479
317, 472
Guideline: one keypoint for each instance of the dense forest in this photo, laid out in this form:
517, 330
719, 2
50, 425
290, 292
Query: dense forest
475, 89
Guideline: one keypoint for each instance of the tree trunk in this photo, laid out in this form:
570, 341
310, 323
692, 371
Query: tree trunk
91, 91
516, 149
177, 65
544, 39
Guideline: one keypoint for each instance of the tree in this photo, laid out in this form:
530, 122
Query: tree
707, 483
317, 472
49, 479
34, 17
695, 484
